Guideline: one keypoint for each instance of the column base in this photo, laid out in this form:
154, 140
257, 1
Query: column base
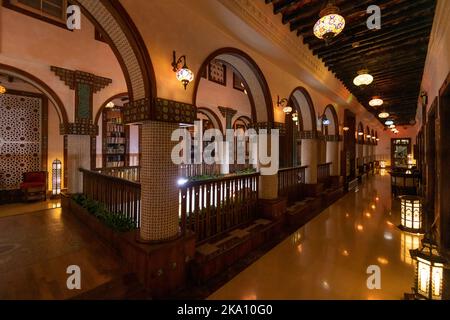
273, 209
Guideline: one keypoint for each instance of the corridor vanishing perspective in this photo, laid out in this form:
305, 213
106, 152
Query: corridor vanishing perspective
330, 256
224, 150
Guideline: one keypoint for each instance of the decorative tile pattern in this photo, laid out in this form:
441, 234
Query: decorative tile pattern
161, 110
159, 214
20, 138
71, 78
113, 29
217, 72
334, 138
82, 127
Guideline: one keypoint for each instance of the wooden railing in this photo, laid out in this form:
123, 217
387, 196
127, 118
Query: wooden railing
291, 183
323, 172
127, 173
118, 195
213, 207
194, 170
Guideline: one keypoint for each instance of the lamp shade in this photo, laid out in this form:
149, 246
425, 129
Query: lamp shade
56, 177
185, 76
363, 78
376, 102
383, 115
431, 271
411, 214
329, 26
2, 89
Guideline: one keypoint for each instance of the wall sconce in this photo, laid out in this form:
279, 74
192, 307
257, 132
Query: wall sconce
56, 177
183, 73
325, 120
2, 89
431, 268
346, 129
284, 103
411, 214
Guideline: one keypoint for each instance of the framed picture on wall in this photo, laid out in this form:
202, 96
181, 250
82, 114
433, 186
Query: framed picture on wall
217, 72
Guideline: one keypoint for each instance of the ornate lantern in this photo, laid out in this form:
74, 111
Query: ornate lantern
56, 177
431, 271
411, 214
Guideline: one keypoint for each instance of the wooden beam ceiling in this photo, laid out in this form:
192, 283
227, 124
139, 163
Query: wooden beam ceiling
395, 55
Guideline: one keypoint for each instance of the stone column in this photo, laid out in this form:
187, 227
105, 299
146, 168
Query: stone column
310, 146
333, 154
159, 194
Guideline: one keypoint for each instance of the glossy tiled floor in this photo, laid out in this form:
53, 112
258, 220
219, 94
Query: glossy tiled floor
36, 249
14, 209
328, 258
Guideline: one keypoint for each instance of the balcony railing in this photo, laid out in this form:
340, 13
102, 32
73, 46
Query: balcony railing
213, 207
291, 183
127, 173
118, 195
323, 172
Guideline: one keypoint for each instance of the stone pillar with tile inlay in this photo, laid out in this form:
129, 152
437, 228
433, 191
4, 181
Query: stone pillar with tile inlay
159, 193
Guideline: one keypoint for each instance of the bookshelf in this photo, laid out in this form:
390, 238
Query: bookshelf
115, 139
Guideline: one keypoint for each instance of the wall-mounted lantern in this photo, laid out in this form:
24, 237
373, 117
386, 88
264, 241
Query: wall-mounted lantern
183, 73
56, 177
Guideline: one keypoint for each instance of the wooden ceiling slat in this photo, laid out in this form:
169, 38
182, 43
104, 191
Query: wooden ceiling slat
394, 55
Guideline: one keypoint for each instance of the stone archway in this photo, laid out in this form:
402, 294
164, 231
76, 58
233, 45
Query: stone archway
259, 93
121, 33
41, 86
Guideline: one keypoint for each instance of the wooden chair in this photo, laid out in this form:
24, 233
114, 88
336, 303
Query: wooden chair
34, 186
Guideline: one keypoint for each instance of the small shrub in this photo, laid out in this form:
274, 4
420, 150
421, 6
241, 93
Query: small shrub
116, 221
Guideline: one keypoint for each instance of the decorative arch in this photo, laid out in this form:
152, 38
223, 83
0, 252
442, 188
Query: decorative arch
261, 99
40, 85
103, 106
118, 29
246, 121
302, 100
212, 116
330, 113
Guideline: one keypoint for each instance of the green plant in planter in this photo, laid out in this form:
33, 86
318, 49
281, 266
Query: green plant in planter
116, 221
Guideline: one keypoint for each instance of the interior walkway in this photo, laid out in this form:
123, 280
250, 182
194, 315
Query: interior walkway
328, 257
36, 249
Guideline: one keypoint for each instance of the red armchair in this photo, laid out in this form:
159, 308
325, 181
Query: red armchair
34, 186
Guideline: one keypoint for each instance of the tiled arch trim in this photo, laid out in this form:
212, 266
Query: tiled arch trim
122, 44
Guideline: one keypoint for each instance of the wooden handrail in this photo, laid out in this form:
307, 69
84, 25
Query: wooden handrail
213, 207
119, 196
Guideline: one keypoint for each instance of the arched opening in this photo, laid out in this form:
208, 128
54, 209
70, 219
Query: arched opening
331, 123
245, 76
231, 85
32, 114
117, 144
209, 119
298, 147
119, 30
291, 143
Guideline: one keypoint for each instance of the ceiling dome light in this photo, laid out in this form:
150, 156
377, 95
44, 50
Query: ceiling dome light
2, 89
376, 102
363, 78
110, 105
360, 133
389, 123
346, 129
330, 23
392, 126
383, 115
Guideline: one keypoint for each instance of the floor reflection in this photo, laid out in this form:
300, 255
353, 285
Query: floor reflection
329, 257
